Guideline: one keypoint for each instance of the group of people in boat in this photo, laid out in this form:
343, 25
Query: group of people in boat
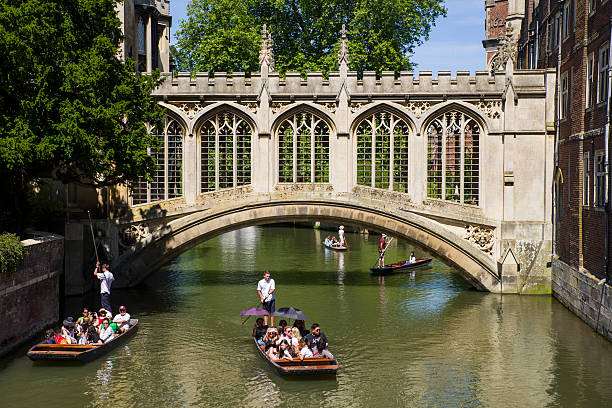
336, 243
92, 328
291, 342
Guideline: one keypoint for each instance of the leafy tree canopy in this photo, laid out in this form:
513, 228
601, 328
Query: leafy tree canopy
223, 35
71, 108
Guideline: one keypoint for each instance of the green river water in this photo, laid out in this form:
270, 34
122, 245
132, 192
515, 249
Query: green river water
432, 341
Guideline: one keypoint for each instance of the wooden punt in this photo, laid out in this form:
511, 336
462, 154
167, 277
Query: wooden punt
335, 248
311, 365
401, 266
78, 352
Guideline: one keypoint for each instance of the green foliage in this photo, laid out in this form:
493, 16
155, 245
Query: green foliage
11, 254
71, 109
222, 35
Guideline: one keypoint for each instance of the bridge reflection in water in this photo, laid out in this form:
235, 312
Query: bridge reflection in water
433, 341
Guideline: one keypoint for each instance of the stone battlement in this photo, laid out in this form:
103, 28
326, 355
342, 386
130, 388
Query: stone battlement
293, 84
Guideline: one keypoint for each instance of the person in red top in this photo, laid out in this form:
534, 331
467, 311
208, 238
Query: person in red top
382, 243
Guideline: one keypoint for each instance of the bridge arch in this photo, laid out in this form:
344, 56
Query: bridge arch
188, 231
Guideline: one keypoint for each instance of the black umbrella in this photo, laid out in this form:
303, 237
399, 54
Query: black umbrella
290, 313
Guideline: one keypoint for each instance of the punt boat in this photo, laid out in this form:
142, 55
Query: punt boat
79, 352
312, 365
401, 266
335, 248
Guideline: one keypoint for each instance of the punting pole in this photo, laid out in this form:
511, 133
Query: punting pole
93, 238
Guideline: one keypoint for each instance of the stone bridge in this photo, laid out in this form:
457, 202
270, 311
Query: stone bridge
460, 165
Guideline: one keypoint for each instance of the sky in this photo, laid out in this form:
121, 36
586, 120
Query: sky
455, 43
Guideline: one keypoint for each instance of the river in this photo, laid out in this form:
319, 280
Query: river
431, 341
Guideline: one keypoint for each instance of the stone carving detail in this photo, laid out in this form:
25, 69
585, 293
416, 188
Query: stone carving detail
382, 195
308, 187
252, 106
266, 53
330, 106
191, 110
481, 236
277, 106
490, 108
132, 234
343, 51
417, 108
357, 106
506, 49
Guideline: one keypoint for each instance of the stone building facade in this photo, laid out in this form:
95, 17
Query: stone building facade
574, 37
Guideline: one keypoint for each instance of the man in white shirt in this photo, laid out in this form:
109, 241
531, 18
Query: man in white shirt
341, 235
106, 280
122, 319
265, 289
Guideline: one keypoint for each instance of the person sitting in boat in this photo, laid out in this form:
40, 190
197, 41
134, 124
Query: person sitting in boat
287, 335
412, 258
327, 241
122, 319
259, 331
270, 339
49, 337
284, 350
305, 352
317, 342
102, 314
334, 242
301, 327
281, 327
298, 343
80, 331
106, 332
85, 316
92, 335
68, 330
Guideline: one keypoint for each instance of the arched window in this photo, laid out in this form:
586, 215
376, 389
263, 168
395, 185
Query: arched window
382, 152
225, 152
453, 158
168, 177
303, 149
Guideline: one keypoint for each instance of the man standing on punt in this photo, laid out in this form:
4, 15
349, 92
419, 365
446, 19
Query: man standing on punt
106, 279
265, 289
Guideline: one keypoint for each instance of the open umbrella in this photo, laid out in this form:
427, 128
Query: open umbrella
254, 311
290, 313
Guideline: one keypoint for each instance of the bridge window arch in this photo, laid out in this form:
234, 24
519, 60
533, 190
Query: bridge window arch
303, 149
382, 152
453, 158
225, 152
167, 179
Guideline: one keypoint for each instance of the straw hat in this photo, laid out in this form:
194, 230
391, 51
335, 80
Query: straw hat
342, 227
384, 235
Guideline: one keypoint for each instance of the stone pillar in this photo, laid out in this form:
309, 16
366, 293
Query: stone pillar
263, 163
148, 44
341, 174
190, 169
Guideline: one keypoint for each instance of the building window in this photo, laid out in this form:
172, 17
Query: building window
586, 179
592, 6
602, 69
600, 178
167, 179
566, 20
564, 95
141, 43
453, 158
382, 152
590, 68
225, 152
303, 149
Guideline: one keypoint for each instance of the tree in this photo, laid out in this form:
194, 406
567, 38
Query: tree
222, 35
71, 108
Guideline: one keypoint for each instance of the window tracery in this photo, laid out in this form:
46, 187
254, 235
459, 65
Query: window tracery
453, 158
382, 152
303, 149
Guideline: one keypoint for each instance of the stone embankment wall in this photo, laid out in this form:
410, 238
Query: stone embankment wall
29, 299
580, 292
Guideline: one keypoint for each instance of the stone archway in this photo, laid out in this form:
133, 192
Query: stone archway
186, 232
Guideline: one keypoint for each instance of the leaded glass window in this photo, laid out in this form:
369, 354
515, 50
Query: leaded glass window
303, 149
167, 179
382, 152
453, 158
225, 152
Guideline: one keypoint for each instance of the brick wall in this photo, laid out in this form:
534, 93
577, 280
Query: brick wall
29, 299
